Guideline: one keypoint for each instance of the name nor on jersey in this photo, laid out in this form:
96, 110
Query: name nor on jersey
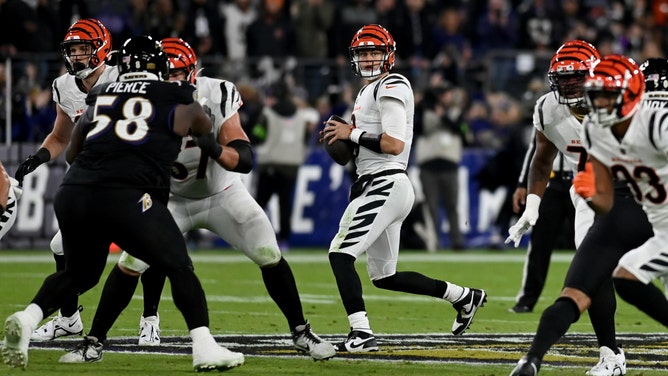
127, 87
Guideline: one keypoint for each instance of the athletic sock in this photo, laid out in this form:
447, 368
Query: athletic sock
153, 281
455, 293
554, 323
413, 283
70, 304
360, 321
602, 315
347, 281
116, 295
646, 297
281, 286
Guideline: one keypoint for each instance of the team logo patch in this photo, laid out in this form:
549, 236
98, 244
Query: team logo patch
146, 202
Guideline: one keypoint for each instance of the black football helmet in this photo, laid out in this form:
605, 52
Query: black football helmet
656, 74
142, 54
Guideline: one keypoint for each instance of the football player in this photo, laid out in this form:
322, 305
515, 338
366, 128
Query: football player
655, 70
10, 192
557, 121
625, 138
588, 284
204, 195
121, 155
382, 196
84, 49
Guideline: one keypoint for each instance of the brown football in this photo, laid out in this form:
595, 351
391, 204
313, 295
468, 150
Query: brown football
341, 151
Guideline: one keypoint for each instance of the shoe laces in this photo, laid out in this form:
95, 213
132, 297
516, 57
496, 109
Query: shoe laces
87, 343
308, 335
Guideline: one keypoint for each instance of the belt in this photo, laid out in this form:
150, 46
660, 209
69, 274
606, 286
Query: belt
360, 184
382, 173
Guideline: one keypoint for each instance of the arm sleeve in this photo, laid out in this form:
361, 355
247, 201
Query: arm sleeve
393, 117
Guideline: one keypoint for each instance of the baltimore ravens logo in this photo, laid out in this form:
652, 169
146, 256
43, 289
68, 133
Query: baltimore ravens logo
146, 202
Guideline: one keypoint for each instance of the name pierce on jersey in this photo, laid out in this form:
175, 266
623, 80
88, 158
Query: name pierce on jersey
127, 87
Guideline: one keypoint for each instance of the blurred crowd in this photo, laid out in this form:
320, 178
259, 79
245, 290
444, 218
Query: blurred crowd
493, 52
476, 66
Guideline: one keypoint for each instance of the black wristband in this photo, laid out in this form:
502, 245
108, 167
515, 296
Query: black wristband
371, 141
2, 208
43, 155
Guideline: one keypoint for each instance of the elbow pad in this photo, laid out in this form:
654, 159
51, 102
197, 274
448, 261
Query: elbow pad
245, 151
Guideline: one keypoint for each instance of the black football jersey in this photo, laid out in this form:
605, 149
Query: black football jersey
129, 138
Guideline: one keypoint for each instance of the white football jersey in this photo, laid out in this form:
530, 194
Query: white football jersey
559, 125
366, 116
68, 94
194, 174
640, 158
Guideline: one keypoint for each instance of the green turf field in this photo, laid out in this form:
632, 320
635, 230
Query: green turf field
413, 331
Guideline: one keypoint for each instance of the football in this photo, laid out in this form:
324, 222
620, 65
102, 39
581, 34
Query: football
341, 151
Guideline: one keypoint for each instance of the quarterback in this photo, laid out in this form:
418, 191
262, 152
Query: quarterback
382, 196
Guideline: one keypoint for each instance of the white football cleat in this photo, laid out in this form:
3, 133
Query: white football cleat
88, 351
215, 357
59, 326
609, 363
17, 340
149, 331
307, 341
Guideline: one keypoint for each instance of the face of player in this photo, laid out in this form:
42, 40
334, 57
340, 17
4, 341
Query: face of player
604, 100
370, 60
177, 75
80, 52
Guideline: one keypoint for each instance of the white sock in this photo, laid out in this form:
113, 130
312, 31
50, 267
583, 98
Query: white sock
202, 335
35, 313
455, 293
360, 321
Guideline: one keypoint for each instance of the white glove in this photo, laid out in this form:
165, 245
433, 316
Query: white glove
528, 219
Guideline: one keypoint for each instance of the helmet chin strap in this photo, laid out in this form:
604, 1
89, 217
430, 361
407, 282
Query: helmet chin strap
82, 71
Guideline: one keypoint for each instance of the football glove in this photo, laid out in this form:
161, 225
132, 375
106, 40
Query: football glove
31, 163
584, 182
528, 219
209, 145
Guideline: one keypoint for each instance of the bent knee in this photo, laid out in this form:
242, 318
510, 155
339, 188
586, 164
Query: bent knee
131, 265
265, 257
581, 299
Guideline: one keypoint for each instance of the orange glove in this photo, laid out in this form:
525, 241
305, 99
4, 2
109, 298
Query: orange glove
585, 182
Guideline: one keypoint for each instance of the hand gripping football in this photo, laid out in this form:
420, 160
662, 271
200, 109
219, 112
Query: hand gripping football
341, 151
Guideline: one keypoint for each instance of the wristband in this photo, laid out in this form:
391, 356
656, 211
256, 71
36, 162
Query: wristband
533, 202
371, 141
43, 155
355, 135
